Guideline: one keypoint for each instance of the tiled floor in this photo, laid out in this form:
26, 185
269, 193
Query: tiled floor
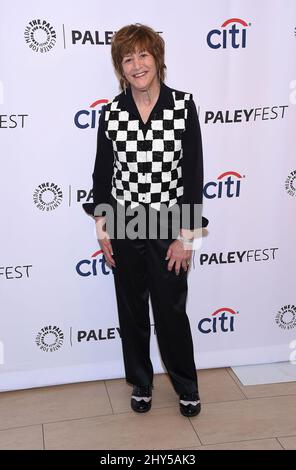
96, 415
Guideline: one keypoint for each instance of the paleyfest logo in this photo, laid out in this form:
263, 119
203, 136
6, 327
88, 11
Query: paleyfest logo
40, 36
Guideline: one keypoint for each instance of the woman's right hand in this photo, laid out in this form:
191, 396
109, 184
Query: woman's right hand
104, 241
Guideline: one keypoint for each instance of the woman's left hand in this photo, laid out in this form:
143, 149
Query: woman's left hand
179, 255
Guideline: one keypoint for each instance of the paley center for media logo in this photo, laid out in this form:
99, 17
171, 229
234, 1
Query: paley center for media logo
88, 118
50, 338
290, 184
286, 317
232, 33
93, 266
47, 196
221, 321
228, 184
40, 35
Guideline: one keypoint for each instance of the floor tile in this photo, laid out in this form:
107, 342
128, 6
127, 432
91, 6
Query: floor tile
26, 438
259, 444
42, 405
161, 428
217, 385
242, 420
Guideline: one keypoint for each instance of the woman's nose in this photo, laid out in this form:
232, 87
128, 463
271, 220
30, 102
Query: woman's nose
137, 62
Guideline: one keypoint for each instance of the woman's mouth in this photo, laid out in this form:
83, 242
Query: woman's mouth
139, 75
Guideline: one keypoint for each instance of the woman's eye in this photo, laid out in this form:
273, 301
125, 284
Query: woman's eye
126, 60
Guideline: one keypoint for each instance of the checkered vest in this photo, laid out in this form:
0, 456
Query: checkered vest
147, 169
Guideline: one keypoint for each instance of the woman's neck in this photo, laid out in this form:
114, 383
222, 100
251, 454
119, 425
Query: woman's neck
146, 97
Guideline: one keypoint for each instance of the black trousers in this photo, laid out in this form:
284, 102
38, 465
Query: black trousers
141, 270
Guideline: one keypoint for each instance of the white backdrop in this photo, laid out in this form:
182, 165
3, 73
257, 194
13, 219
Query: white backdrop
58, 312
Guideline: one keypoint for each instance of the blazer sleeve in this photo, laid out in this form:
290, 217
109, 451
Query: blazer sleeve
192, 170
103, 169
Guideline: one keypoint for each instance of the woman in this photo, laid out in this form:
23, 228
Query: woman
149, 153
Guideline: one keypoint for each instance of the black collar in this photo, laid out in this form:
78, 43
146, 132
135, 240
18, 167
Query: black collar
165, 100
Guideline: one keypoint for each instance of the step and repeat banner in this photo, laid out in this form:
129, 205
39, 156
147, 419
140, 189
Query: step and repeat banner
58, 319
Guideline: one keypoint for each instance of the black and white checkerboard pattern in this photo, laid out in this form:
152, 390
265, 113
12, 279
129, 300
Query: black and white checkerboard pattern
147, 169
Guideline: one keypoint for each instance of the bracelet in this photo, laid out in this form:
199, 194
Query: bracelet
185, 240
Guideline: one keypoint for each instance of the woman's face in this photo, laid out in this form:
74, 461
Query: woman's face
139, 69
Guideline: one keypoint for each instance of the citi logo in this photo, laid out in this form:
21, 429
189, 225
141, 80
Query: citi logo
227, 185
222, 320
91, 267
230, 35
86, 118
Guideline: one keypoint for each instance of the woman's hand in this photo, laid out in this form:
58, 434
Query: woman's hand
179, 254
104, 241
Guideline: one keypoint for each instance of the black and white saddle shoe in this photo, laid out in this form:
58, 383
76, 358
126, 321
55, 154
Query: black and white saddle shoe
190, 404
141, 398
